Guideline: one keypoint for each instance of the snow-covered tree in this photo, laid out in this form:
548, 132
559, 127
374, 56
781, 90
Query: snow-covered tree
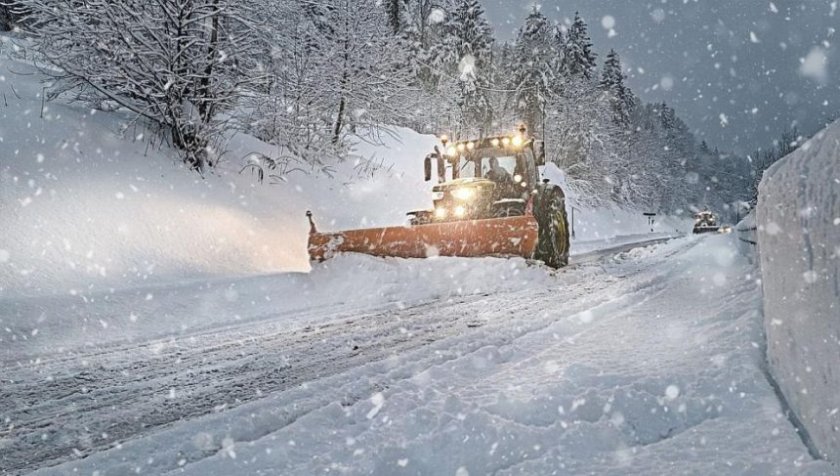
334, 72
578, 57
177, 63
577, 105
472, 41
621, 98
472, 34
428, 51
534, 69
396, 10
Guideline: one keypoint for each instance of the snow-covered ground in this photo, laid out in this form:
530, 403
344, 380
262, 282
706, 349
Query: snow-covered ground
646, 361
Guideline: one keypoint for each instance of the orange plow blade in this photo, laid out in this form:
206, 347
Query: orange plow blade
510, 236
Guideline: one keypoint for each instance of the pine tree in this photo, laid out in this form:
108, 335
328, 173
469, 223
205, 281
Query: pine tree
472, 42
535, 72
579, 59
472, 32
430, 49
558, 57
620, 97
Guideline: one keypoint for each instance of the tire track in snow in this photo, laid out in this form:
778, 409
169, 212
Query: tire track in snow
70, 411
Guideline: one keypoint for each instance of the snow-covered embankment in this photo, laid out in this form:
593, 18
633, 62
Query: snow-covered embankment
799, 237
86, 209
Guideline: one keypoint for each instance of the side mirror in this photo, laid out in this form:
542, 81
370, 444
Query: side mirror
427, 168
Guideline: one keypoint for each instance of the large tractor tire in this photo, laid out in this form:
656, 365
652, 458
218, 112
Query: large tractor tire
550, 213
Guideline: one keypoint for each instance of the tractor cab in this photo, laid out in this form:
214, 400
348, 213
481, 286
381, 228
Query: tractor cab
486, 178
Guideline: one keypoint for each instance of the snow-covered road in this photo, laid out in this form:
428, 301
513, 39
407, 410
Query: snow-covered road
634, 361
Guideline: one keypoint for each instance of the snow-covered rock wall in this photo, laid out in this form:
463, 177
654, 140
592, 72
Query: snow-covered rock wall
799, 238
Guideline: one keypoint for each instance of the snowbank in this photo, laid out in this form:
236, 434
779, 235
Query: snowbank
346, 285
799, 238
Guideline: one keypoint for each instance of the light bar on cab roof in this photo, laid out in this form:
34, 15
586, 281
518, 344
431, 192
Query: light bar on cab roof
453, 148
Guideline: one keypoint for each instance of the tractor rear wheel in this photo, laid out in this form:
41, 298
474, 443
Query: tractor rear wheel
553, 242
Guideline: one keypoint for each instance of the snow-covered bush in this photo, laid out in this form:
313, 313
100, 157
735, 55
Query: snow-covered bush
176, 63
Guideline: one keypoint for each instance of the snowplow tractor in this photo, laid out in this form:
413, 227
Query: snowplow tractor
705, 222
489, 200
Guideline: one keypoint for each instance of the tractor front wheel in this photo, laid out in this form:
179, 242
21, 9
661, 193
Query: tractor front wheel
553, 241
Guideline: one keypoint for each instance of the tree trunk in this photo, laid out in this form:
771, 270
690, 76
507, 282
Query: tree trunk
205, 100
345, 76
338, 122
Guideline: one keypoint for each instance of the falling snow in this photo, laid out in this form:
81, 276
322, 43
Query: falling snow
156, 320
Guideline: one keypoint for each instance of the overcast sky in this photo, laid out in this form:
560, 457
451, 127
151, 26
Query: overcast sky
737, 71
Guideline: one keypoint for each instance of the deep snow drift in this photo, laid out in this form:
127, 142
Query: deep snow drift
799, 242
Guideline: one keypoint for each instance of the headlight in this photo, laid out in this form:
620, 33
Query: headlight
440, 213
516, 141
460, 211
451, 151
495, 142
517, 178
463, 193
